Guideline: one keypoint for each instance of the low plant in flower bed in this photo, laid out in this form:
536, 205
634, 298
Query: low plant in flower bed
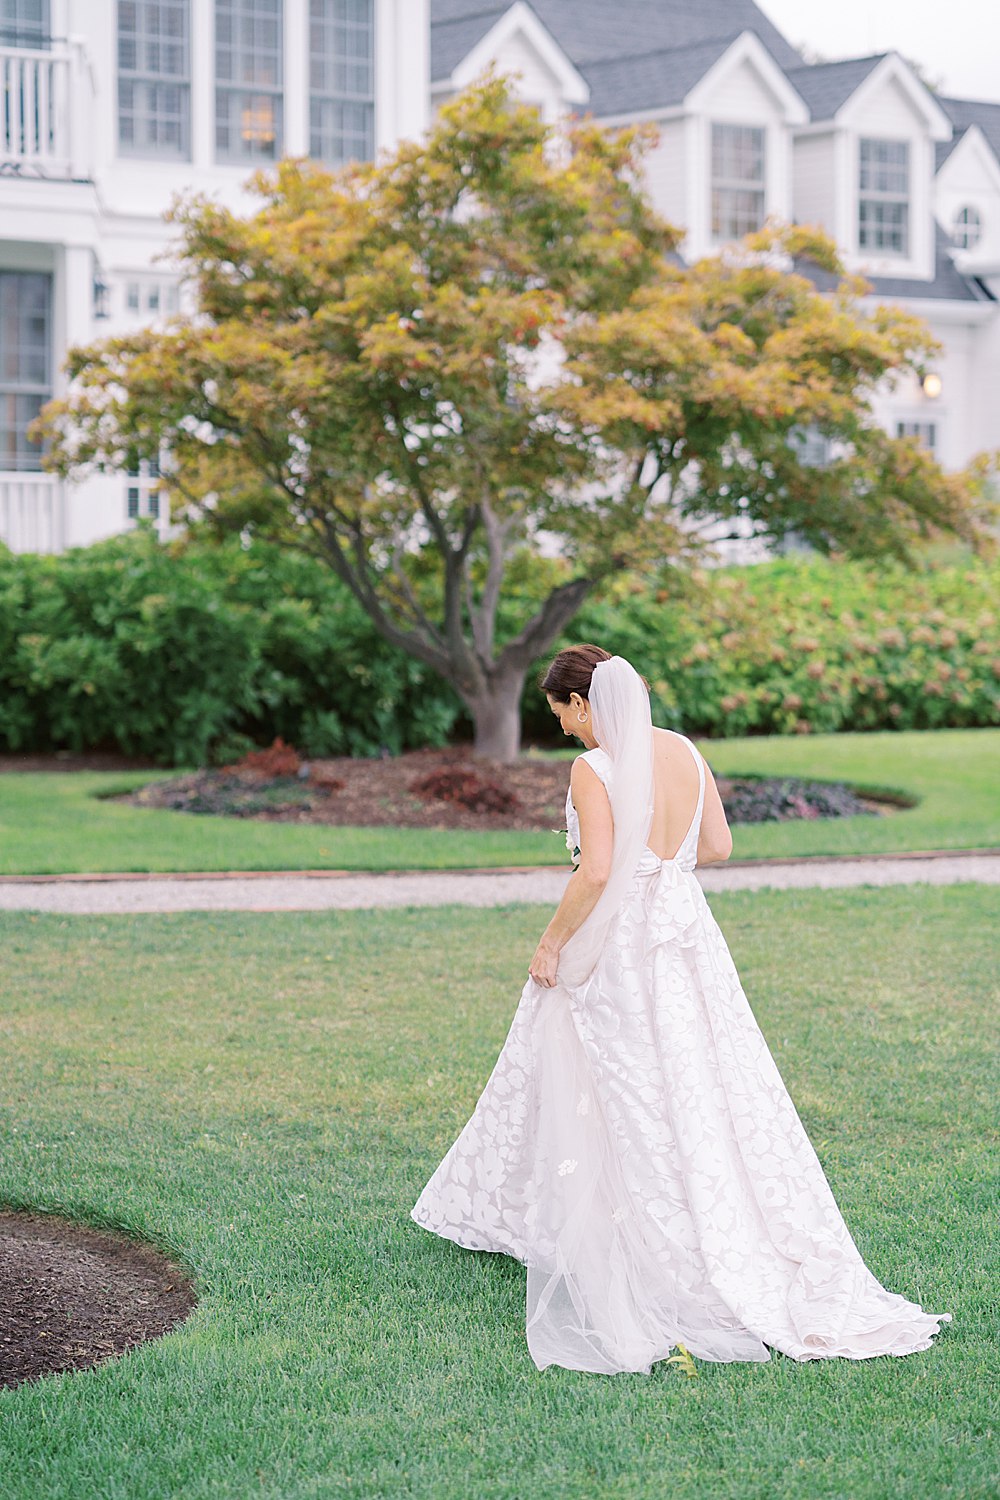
278, 759
467, 788
232, 796
759, 799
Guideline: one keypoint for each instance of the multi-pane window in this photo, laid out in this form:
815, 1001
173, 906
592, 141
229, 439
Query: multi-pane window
811, 447
966, 229
884, 196
248, 80
737, 180
341, 80
24, 23
152, 297
924, 432
25, 362
142, 495
154, 77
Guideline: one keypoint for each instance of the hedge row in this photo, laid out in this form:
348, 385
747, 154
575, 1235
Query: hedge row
817, 646
193, 655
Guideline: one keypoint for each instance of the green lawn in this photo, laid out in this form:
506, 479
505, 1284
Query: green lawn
56, 822
265, 1095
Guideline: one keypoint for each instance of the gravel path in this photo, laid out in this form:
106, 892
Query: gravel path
324, 890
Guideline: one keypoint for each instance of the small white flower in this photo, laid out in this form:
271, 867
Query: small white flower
583, 1107
567, 1166
617, 1215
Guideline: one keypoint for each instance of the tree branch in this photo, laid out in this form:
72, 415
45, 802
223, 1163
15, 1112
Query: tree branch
417, 613
542, 629
331, 550
483, 615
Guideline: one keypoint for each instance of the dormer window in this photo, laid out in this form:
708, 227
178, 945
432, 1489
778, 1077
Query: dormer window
884, 197
737, 180
966, 228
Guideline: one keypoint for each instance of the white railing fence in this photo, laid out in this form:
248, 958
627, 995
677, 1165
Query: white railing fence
32, 512
44, 123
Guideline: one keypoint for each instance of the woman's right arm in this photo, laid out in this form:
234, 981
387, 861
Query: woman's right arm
715, 841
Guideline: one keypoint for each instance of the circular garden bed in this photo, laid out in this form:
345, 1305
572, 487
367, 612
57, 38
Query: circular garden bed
72, 1296
452, 788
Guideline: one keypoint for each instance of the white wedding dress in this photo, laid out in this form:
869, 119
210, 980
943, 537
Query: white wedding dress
636, 1148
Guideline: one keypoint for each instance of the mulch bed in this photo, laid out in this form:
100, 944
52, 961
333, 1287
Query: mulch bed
448, 789
72, 1296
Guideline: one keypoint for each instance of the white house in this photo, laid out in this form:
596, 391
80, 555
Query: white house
109, 107
907, 183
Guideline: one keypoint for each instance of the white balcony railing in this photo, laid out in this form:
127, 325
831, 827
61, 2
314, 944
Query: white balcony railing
44, 112
32, 512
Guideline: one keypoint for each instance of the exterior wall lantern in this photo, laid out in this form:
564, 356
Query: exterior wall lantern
931, 385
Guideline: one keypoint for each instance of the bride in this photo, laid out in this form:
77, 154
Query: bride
635, 1146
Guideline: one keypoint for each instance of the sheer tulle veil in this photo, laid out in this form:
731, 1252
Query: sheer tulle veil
622, 726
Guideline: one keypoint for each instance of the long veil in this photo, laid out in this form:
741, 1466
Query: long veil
619, 706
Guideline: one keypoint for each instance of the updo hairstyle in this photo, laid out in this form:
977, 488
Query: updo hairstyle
570, 672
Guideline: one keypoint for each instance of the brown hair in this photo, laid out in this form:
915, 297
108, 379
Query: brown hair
571, 670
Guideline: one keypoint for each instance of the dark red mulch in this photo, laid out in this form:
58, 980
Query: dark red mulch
72, 1296
376, 793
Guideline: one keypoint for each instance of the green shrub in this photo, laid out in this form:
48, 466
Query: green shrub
810, 646
194, 653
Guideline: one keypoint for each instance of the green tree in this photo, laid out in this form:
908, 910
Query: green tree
412, 369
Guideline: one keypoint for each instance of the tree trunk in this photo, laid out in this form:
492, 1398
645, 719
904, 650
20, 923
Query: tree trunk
496, 715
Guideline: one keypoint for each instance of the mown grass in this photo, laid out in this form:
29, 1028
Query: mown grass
57, 822
265, 1095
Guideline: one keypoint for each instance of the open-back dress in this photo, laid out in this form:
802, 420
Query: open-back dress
636, 1148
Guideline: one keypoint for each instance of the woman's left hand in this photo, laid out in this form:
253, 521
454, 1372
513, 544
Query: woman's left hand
544, 965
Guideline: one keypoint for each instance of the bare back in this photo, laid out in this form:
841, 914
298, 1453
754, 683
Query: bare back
675, 793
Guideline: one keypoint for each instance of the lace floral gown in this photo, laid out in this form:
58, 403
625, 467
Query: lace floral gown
636, 1148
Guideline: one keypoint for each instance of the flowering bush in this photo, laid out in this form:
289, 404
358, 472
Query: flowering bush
810, 646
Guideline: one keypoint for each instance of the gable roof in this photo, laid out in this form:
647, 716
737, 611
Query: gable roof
826, 87
454, 38
650, 79
966, 112
594, 32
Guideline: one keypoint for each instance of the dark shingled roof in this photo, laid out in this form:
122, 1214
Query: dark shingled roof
596, 32
650, 79
966, 112
452, 40
826, 86
947, 284
943, 149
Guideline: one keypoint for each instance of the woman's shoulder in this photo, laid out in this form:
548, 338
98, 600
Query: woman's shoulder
598, 760
673, 737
